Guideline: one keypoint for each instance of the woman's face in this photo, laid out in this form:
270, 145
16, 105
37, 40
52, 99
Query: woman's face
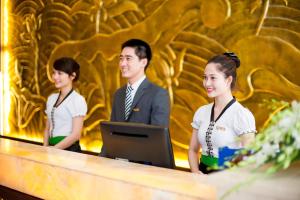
62, 79
214, 81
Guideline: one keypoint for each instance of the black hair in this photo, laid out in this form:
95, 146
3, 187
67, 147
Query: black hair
142, 49
228, 63
67, 65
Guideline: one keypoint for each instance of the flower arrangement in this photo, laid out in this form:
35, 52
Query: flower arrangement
278, 144
276, 147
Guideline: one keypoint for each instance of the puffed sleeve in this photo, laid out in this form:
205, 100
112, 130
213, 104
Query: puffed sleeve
196, 119
78, 106
244, 122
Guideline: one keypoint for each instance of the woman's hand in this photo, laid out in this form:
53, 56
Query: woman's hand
197, 172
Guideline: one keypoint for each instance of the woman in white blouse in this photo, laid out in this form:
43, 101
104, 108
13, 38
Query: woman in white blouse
223, 123
65, 110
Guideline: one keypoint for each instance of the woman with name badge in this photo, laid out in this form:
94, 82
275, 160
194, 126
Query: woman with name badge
223, 123
65, 110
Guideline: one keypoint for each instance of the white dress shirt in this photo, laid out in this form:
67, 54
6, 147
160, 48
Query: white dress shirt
135, 86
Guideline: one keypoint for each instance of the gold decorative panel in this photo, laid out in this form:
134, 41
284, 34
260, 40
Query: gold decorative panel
184, 34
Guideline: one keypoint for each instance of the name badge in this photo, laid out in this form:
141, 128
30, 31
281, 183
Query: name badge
220, 128
136, 110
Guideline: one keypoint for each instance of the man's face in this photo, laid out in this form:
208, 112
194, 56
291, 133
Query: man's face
130, 65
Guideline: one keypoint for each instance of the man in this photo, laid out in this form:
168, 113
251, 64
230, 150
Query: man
139, 100
146, 102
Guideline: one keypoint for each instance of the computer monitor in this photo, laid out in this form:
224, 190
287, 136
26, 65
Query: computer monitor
138, 142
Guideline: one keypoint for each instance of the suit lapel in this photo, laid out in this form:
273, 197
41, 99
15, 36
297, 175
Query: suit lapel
139, 93
122, 103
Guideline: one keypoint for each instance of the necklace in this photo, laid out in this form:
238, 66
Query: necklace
56, 102
211, 126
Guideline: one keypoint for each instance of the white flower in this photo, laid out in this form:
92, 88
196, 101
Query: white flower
279, 142
260, 158
296, 106
285, 123
296, 135
267, 149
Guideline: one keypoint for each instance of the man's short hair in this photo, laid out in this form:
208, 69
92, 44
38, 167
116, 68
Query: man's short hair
142, 49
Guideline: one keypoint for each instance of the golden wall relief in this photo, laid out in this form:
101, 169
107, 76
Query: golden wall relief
265, 34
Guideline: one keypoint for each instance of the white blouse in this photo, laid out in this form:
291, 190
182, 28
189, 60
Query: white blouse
61, 121
235, 121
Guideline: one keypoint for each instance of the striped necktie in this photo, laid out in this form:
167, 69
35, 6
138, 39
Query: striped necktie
128, 101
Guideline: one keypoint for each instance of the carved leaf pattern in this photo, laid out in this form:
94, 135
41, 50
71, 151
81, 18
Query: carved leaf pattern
183, 35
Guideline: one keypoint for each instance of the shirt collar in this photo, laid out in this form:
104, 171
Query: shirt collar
136, 85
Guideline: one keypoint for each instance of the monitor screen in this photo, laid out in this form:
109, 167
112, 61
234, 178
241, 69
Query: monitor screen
138, 142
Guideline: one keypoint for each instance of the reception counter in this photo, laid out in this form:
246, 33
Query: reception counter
49, 173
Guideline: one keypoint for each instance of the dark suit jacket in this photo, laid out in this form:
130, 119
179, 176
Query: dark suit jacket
150, 105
